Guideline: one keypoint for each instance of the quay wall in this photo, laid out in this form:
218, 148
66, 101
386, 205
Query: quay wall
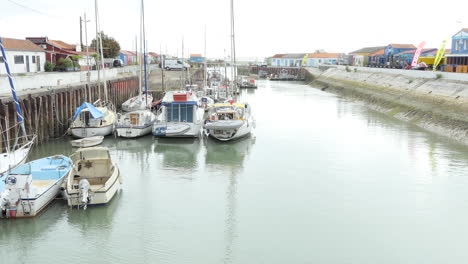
438, 103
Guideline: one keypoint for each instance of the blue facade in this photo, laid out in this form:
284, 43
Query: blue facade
394, 49
123, 58
460, 42
197, 59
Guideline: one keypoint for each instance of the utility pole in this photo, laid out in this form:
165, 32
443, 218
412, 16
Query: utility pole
88, 74
81, 33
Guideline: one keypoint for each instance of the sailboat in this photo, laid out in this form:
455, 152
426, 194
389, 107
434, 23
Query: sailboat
99, 118
206, 94
13, 156
138, 122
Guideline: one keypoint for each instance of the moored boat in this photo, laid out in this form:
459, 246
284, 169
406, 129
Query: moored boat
180, 116
135, 124
90, 121
87, 142
229, 121
28, 189
94, 178
139, 102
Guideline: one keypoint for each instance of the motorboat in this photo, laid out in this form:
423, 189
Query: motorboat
135, 124
94, 178
246, 82
90, 120
139, 102
87, 142
228, 121
29, 188
205, 102
179, 116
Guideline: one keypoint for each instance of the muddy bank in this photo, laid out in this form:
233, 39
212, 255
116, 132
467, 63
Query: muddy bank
435, 104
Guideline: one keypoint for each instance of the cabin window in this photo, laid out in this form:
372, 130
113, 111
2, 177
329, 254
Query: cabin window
1, 59
19, 59
180, 113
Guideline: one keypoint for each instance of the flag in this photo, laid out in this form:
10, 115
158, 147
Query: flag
304, 60
440, 54
414, 62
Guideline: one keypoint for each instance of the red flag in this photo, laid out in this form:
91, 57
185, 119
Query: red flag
414, 62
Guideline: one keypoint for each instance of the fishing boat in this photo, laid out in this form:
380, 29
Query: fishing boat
90, 120
139, 121
15, 154
28, 189
135, 124
229, 121
87, 142
179, 116
94, 178
246, 82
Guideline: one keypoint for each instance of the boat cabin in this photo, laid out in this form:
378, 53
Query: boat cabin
92, 164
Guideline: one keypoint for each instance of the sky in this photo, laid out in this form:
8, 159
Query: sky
263, 27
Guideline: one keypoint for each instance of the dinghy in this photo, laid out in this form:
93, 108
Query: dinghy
87, 142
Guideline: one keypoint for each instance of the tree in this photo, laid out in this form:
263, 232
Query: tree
110, 46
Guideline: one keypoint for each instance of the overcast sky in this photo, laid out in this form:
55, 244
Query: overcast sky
263, 27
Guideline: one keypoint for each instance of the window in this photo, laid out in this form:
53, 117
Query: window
19, 59
33, 59
1, 59
179, 113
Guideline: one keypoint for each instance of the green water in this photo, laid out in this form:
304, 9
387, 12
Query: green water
321, 180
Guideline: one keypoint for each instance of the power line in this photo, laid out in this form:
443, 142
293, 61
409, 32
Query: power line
30, 9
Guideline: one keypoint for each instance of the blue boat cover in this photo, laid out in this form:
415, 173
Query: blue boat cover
92, 109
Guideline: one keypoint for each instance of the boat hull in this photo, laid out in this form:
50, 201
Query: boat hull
83, 132
132, 132
87, 142
176, 130
228, 134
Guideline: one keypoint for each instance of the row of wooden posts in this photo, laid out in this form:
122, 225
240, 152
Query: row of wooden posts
48, 113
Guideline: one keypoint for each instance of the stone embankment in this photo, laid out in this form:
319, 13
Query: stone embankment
436, 102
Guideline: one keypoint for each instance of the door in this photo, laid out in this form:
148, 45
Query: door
38, 63
27, 64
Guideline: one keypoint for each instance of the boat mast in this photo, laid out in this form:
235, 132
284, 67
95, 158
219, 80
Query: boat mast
19, 114
98, 67
144, 49
204, 66
102, 53
233, 49
88, 74
141, 55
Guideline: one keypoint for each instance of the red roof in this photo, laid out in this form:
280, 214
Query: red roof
61, 44
20, 44
380, 52
324, 55
128, 53
195, 55
278, 56
154, 54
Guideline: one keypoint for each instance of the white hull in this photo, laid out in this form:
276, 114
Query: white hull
33, 207
132, 132
87, 142
13, 159
176, 130
243, 131
84, 132
137, 103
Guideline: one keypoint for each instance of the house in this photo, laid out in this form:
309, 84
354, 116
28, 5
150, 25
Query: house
292, 59
316, 59
360, 57
128, 57
393, 49
377, 59
458, 58
276, 60
23, 56
55, 49
153, 58
196, 58
402, 59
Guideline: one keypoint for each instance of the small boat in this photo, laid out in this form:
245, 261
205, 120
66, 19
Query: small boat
139, 102
28, 189
284, 75
94, 178
205, 102
87, 142
135, 124
246, 82
90, 120
180, 116
229, 121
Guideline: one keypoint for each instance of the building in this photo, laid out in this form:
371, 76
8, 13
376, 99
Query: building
458, 59
377, 59
276, 60
404, 58
317, 59
196, 58
128, 57
23, 56
360, 57
153, 58
55, 49
392, 49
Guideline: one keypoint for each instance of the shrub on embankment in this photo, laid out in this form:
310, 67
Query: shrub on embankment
435, 104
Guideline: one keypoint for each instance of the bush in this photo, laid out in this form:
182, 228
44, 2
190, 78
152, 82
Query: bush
49, 66
348, 69
439, 76
355, 69
64, 64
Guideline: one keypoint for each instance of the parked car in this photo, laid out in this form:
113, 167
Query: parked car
117, 63
175, 64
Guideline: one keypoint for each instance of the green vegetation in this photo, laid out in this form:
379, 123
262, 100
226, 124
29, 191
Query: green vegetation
348, 69
110, 46
65, 65
49, 66
355, 69
439, 76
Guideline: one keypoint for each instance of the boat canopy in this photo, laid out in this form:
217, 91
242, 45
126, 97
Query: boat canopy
92, 109
180, 103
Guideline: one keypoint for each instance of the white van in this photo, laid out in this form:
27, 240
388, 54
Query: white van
175, 64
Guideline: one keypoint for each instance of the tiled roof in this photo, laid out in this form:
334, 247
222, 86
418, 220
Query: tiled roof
380, 52
61, 44
153, 54
413, 50
195, 55
277, 56
20, 44
368, 50
324, 55
128, 53
294, 55
403, 46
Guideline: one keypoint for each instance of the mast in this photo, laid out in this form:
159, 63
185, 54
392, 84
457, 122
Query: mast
102, 53
19, 114
98, 67
144, 49
204, 66
162, 66
87, 58
233, 48
141, 54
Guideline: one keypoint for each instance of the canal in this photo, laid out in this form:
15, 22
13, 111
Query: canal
322, 180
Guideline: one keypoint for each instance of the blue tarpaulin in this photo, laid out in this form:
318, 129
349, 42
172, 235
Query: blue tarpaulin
93, 110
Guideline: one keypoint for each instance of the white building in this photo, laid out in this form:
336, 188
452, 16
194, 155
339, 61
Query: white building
23, 56
317, 59
287, 60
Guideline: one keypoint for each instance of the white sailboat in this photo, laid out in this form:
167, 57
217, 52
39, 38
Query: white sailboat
12, 156
88, 122
229, 121
138, 122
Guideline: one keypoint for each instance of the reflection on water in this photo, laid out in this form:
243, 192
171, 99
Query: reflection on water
319, 172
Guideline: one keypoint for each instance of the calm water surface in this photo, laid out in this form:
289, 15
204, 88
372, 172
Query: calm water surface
322, 180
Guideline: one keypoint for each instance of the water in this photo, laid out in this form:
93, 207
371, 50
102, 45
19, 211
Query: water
322, 180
